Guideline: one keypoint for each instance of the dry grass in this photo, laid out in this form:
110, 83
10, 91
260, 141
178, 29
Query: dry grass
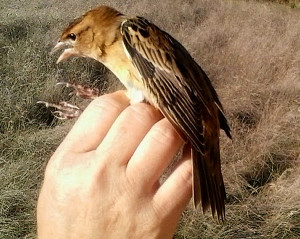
251, 52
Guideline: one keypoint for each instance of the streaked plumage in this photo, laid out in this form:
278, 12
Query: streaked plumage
155, 67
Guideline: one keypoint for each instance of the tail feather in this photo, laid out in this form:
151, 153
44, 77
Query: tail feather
208, 185
224, 123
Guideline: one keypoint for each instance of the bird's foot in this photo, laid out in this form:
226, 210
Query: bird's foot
64, 110
82, 91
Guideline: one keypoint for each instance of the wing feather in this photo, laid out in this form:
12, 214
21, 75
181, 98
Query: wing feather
186, 98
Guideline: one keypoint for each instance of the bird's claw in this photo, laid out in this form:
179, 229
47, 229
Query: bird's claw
64, 110
82, 91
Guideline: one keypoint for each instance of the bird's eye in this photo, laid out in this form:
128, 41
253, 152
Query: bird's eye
72, 36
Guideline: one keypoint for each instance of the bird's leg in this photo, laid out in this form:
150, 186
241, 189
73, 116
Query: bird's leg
82, 91
64, 110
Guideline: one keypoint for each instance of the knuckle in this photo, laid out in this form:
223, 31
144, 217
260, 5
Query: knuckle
142, 114
164, 132
108, 103
186, 172
144, 111
57, 161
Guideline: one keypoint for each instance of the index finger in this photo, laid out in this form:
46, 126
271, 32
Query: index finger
95, 121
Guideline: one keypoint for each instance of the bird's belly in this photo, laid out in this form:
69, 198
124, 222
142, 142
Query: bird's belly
132, 80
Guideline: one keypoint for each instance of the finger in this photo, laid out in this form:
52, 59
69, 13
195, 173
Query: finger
127, 132
94, 122
176, 192
154, 154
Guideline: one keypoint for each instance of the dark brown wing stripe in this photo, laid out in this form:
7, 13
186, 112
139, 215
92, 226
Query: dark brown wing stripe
186, 97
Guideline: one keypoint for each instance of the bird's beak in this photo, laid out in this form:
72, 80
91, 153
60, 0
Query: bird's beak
67, 53
58, 46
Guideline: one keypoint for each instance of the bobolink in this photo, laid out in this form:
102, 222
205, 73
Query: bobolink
156, 68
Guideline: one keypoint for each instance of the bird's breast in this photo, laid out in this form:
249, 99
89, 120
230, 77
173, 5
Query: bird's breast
121, 65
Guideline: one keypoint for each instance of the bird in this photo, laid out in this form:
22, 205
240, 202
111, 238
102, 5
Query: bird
155, 68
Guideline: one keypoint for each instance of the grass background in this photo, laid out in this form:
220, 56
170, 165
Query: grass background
249, 49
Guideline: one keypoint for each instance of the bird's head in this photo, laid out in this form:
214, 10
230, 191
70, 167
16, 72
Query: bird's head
89, 35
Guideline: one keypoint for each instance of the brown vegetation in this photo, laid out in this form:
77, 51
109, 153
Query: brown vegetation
251, 52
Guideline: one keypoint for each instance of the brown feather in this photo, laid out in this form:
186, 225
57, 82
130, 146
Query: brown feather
186, 97
145, 57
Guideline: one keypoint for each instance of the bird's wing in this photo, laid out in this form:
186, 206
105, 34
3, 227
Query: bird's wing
186, 98
155, 55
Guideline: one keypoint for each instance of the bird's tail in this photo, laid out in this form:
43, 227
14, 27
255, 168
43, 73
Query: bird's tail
208, 185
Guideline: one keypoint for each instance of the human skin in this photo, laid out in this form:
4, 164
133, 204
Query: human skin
103, 179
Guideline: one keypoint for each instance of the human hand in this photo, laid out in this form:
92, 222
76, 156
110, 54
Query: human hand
103, 180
